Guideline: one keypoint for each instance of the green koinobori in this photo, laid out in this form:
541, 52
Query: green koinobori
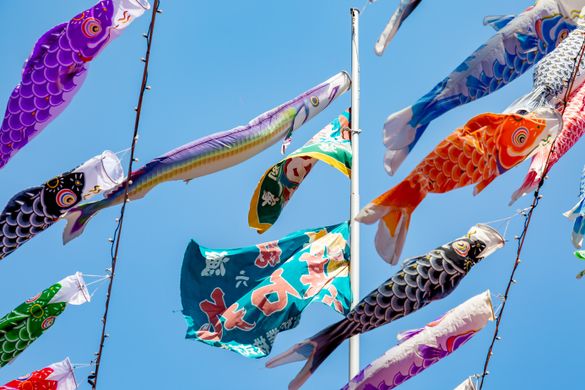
240, 299
331, 145
27, 322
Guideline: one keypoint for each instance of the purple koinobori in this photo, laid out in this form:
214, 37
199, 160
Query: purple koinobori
217, 151
419, 349
57, 67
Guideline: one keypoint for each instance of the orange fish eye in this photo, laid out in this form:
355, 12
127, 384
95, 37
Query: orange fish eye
520, 136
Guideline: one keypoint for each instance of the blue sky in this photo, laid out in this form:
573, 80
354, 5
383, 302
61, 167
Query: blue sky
216, 65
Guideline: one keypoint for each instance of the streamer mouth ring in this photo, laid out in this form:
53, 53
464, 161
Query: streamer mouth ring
491, 230
143, 3
114, 173
490, 236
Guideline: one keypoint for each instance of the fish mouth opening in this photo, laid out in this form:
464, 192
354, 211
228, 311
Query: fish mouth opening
554, 125
112, 167
491, 231
143, 3
491, 237
347, 76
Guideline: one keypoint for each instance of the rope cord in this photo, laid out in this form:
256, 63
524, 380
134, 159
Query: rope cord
92, 379
528, 218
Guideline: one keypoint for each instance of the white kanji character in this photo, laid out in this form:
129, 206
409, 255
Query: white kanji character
242, 279
271, 335
246, 350
215, 264
268, 198
274, 173
261, 344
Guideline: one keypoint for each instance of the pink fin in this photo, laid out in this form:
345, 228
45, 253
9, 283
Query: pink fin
534, 174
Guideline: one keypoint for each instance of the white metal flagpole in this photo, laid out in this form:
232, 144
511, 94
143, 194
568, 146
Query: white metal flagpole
354, 342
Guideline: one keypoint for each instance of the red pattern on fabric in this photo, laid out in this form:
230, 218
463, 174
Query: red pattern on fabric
213, 310
216, 308
270, 254
331, 300
316, 279
234, 319
35, 381
280, 287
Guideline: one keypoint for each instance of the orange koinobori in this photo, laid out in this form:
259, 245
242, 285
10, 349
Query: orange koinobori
487, 146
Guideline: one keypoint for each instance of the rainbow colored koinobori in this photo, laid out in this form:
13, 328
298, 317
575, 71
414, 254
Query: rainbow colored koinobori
57, 68
520, 42
217, 151
486, 147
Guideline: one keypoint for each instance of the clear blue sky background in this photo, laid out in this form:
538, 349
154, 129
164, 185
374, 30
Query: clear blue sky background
216, 65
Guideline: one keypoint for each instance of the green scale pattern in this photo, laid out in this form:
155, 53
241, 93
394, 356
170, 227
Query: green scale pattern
27, 322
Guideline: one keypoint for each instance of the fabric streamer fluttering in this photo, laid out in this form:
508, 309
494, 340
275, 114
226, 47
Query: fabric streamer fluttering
555, 77
35, 209
26, 323
552, 76
240, 299
57, 67
581, 256
215, 152
421, 280
577, 214
421, 348
486, 147
57, 376
404, 10
331, 145
520, 42
467, 384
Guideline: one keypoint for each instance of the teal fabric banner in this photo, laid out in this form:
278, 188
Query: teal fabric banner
240, 299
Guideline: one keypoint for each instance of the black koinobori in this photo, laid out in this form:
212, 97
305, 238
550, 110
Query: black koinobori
35, 209
420, 281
